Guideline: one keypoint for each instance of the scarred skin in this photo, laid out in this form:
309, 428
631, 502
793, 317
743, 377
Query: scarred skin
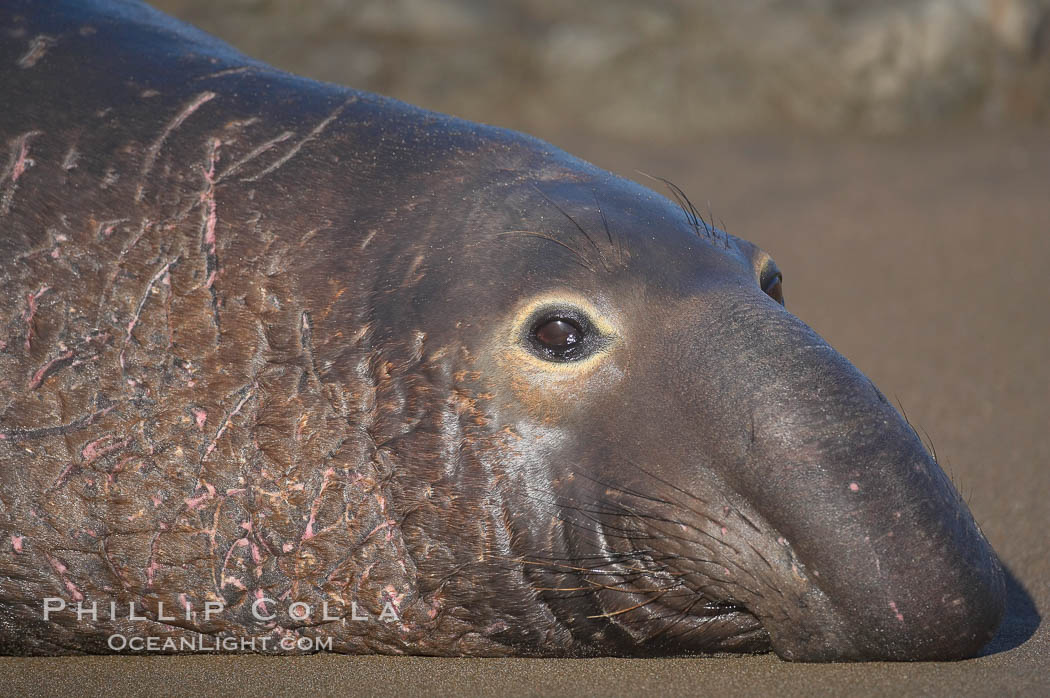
265, 340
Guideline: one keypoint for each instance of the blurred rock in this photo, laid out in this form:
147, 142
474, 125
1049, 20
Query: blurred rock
666, 69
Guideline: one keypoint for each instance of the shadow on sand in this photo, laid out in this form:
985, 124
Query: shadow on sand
1020, 622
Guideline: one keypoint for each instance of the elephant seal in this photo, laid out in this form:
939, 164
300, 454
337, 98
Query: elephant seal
287, 367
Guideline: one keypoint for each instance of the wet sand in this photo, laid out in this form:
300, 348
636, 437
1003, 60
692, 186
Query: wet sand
925, 260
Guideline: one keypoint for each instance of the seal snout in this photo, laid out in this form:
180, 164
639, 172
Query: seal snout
952, 627
932, 610
895, 567
880, 557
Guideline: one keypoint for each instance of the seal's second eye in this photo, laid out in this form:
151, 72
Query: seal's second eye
558, 337
774, 287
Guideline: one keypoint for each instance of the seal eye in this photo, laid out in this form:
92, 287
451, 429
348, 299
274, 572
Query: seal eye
774, 287
558, 338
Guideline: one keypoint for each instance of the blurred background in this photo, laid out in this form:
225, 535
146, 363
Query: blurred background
893, 156
664, 70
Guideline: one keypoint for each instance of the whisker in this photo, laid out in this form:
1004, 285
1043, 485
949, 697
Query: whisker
725, 230
680, 199
616, 245
617, 488
661, 480
678, 618
579, 258
933, 449
625, 610
631, 573
692, 214
562, 211
605, 221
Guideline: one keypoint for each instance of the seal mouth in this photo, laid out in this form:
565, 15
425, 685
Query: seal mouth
712, 627
679, 613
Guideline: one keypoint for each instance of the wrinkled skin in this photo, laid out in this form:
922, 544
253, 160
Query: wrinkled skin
263, 338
